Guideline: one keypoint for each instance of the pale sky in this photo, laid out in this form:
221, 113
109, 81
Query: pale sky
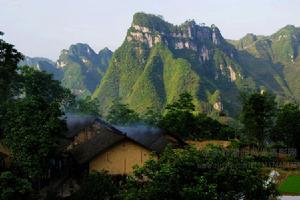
45, 27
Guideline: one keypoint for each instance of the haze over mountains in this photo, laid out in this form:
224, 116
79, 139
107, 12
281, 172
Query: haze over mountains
158, 61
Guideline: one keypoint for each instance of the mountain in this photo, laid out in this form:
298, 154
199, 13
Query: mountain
158, 61
83, 69
43, 64
79, 68
278, 52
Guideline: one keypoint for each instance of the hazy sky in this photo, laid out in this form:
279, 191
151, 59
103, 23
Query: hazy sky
44, 27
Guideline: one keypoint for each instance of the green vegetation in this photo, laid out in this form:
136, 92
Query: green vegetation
120, 114
184, 174
31, 123
287, 128
258, 114
290, 185
83, 69
153, 76
9, 58
191, 174
97, 186
14, 188
82, 105
154, 22
31, 127
172, 84
180, 119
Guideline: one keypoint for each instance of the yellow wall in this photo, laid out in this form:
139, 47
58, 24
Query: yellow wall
120, 158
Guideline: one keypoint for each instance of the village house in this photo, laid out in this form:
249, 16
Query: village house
91, 144
5, 157
98, 146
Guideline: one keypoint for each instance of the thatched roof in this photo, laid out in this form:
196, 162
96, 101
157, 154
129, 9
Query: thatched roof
154, 139
93, 147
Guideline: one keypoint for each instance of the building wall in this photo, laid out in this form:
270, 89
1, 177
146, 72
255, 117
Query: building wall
120, 158
5, 157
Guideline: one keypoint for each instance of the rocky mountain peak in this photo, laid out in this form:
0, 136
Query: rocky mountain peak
81, 49
151, 29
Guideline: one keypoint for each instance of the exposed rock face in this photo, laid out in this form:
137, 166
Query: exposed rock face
158, 61
233, 75
218, 106
144, 35
60, 64
83, 68
186, 36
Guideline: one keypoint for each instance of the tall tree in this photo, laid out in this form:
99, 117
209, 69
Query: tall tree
120, 114
35, 83
31, 128
179, 117
258, 115
9, 59
287, 128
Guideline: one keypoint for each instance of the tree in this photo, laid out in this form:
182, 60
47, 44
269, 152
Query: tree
120, 114
179, 117
258, 115
14, 188
152, 117
31, 128
213, 173
209, 128
287, 128
97, 186
35, 83
9, 59
85, 105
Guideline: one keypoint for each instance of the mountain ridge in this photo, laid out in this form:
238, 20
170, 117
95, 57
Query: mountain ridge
213, 69
79, 67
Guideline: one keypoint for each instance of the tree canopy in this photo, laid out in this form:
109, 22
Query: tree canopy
13, 187
258, 115
213, 173
120, 114
31, 129
180, 119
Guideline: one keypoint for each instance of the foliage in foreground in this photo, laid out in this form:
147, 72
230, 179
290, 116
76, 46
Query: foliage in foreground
97, 186
14, 188
191, 174
31, 128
